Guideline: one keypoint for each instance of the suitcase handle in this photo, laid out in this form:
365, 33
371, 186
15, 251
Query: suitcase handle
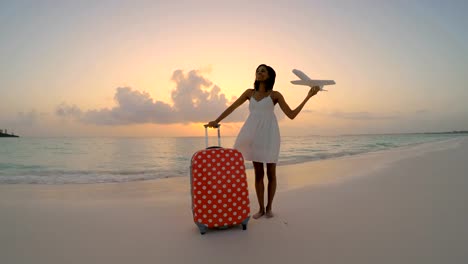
206, 136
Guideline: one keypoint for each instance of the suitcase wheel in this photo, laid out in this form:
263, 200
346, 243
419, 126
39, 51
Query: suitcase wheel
244, 226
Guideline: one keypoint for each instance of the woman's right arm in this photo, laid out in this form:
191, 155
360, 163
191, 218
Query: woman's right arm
244, 97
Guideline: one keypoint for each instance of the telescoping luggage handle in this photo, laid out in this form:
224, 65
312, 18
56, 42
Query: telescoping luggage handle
206, 136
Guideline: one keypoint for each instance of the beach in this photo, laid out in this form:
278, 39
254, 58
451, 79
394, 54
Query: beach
404, 205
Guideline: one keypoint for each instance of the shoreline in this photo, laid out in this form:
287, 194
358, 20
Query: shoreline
392, 206
248, 165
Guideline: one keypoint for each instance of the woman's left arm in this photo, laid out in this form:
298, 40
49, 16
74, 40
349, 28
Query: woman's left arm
293, 113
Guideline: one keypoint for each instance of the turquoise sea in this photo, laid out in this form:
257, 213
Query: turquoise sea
101, 160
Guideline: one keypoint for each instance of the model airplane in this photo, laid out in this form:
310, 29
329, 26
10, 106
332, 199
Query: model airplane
305, 80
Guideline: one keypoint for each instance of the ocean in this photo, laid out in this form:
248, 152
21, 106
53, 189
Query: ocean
106, 160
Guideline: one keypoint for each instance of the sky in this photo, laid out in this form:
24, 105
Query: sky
164, 68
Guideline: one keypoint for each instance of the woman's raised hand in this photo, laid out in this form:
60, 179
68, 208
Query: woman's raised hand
313, 90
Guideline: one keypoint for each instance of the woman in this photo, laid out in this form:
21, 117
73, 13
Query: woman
259, 138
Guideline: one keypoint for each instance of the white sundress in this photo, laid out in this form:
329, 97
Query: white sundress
259, 137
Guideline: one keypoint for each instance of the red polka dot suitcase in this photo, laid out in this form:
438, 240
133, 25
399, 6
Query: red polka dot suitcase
220, 194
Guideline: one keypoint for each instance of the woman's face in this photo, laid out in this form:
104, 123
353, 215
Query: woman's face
261, 74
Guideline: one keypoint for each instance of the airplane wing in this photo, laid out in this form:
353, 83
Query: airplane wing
301, 75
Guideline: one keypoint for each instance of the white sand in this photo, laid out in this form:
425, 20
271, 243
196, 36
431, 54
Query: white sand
407, 205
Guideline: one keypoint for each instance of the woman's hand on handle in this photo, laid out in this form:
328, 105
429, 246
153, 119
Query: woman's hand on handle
212, 124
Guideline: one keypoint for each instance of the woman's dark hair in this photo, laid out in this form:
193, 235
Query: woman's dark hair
271, 78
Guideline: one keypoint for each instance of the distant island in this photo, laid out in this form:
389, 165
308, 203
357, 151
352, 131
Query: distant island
4, 133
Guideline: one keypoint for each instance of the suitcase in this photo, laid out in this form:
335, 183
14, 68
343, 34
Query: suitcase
220, 194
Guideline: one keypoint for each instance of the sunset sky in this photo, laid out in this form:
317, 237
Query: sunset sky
163, 68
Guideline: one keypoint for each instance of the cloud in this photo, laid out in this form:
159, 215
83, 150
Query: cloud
195, 99
64, 110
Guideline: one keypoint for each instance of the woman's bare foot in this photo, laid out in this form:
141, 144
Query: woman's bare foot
259, 214
269, 214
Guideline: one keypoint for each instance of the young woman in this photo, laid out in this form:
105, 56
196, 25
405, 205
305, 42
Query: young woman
259, 138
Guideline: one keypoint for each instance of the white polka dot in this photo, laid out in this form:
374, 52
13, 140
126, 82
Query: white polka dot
214, 186
204, 206
220, 201
214, 196
199, 220
214, 206
230, 219
209, 220
216, 225
220, 220
220, 211
239, 217
230, 209
204, 216
204, 196
235, 213
209, 201
224, 195
224, 205
215, 215
225, 214
209, 211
